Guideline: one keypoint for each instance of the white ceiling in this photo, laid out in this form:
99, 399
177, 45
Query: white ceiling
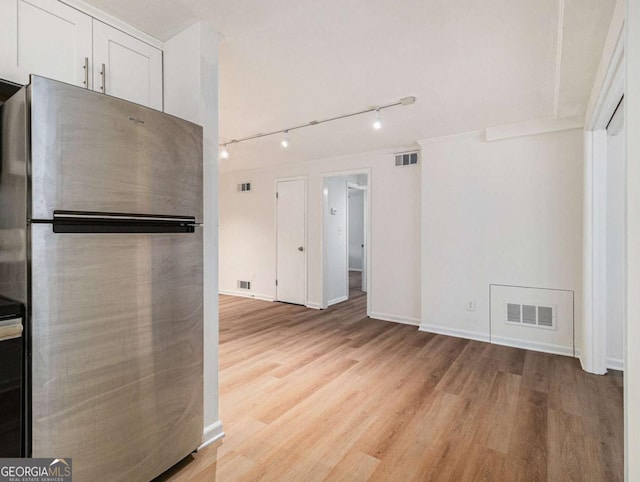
470, 63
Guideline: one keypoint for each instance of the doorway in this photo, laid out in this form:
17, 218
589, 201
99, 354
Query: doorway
291, 253
346, 211
356, 235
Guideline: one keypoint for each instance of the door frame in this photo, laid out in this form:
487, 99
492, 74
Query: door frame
368, 209
306, 233
593, 356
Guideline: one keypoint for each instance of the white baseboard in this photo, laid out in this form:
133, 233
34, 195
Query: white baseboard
442, 330
313, 305
612, 363
579, 357
532, 345
337, 300
615, 364
396, 319
244, 294
211, 434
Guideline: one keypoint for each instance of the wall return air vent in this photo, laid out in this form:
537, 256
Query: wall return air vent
407, 158
531, 315
244, 187
244, 285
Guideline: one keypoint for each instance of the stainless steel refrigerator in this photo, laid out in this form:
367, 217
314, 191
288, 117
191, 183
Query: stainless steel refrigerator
101, 205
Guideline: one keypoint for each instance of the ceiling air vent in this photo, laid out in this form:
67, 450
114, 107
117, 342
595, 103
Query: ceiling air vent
407, 158
244, 285
531, 315
244, 187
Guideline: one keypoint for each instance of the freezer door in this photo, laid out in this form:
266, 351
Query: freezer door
117, 351
95, 153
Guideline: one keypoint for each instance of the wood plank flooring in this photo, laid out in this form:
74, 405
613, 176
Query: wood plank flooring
333, 395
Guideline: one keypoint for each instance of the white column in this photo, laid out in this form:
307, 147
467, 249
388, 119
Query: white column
593, 350
191, 92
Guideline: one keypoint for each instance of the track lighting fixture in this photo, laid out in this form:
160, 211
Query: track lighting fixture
377, 124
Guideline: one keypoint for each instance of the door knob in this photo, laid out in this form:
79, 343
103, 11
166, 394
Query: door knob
300, 248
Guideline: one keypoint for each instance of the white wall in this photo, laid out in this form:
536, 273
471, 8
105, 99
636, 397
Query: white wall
247, 230
632, 353
191, 92
615, 249
505, 212
336, 283
356, 228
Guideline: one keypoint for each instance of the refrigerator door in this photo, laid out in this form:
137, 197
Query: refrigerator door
94, 153
117, 350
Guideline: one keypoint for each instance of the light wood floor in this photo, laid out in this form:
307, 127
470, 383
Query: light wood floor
332, 395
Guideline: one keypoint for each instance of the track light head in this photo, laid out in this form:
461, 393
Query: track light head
224, 153
285, 139
377, 124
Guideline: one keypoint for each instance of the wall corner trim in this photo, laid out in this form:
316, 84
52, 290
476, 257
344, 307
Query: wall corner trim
532, 127
211, 434
443, 330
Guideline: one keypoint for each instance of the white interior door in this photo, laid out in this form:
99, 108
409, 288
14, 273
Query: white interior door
46, 38
132, 69
291, 276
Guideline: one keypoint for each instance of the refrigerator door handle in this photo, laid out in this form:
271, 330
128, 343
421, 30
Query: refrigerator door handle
80, 222
80, 216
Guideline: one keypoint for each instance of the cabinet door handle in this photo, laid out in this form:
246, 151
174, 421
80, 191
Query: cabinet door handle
103, 73
86, 72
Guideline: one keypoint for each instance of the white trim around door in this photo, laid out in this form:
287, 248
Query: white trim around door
593, 356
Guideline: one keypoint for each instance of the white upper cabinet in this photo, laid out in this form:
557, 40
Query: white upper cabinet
47, 38
51, 39
126, 67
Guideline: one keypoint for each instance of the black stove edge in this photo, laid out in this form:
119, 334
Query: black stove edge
10, 308
7, 89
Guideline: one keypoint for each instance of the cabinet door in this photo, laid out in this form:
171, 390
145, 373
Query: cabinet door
126, 67
47, 38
